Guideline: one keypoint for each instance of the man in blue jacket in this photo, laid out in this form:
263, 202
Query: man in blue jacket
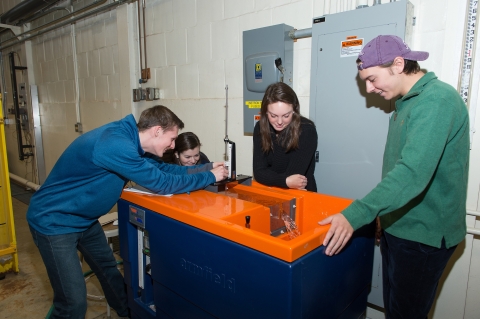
421, 200
85, 183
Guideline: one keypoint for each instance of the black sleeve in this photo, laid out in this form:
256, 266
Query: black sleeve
203, 159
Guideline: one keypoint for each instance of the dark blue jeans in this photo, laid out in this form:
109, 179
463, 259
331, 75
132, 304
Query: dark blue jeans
59, 253
411, 272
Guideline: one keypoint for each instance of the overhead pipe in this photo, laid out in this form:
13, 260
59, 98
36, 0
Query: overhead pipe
44, 13
72, 20
24, 8
71, 15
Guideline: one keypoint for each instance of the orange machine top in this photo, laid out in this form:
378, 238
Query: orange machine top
223, 214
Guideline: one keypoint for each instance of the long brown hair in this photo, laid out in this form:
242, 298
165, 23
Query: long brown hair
288, 137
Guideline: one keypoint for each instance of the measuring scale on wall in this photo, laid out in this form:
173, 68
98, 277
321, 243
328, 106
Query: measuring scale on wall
467, 62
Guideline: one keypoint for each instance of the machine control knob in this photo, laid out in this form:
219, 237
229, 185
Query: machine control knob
247, 221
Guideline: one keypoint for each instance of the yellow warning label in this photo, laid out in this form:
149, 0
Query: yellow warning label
258, 67
253, 104
352, 43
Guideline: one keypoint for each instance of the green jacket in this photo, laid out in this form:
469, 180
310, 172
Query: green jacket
422, 195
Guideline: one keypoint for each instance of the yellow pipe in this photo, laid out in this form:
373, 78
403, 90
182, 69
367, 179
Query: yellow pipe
6, 251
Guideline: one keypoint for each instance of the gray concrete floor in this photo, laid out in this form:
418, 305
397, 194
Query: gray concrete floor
28, 294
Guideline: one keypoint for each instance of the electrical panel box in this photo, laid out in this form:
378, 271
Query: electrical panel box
352, 125
268, 58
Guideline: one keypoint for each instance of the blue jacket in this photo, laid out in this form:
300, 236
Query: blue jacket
89, 176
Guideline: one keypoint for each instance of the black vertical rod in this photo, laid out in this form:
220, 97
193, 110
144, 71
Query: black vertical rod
15, 105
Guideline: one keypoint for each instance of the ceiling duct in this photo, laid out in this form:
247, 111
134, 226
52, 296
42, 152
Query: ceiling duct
25, 9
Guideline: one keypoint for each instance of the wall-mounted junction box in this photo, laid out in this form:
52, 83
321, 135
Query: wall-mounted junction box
268, 58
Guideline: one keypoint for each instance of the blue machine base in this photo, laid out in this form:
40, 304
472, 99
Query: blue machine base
195, 274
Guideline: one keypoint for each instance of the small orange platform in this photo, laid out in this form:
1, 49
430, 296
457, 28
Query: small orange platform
224, 216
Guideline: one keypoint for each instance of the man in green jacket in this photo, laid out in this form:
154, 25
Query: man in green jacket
421, 200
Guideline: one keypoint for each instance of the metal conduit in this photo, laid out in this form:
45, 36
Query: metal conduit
140, 37
70, 15
25, 8
73, 19
300, 34
44, 13
25, 182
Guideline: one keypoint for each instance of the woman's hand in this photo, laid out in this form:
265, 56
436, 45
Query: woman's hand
220, 173
296, 181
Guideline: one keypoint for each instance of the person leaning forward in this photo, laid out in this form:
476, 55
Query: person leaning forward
85, 183
421, 199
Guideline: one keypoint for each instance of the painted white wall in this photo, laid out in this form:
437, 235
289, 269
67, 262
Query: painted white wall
194, 50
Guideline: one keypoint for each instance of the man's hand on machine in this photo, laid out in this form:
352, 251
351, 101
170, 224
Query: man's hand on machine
338, 235
217, 164
220, 172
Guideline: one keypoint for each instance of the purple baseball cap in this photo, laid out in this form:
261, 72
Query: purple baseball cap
384, 49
